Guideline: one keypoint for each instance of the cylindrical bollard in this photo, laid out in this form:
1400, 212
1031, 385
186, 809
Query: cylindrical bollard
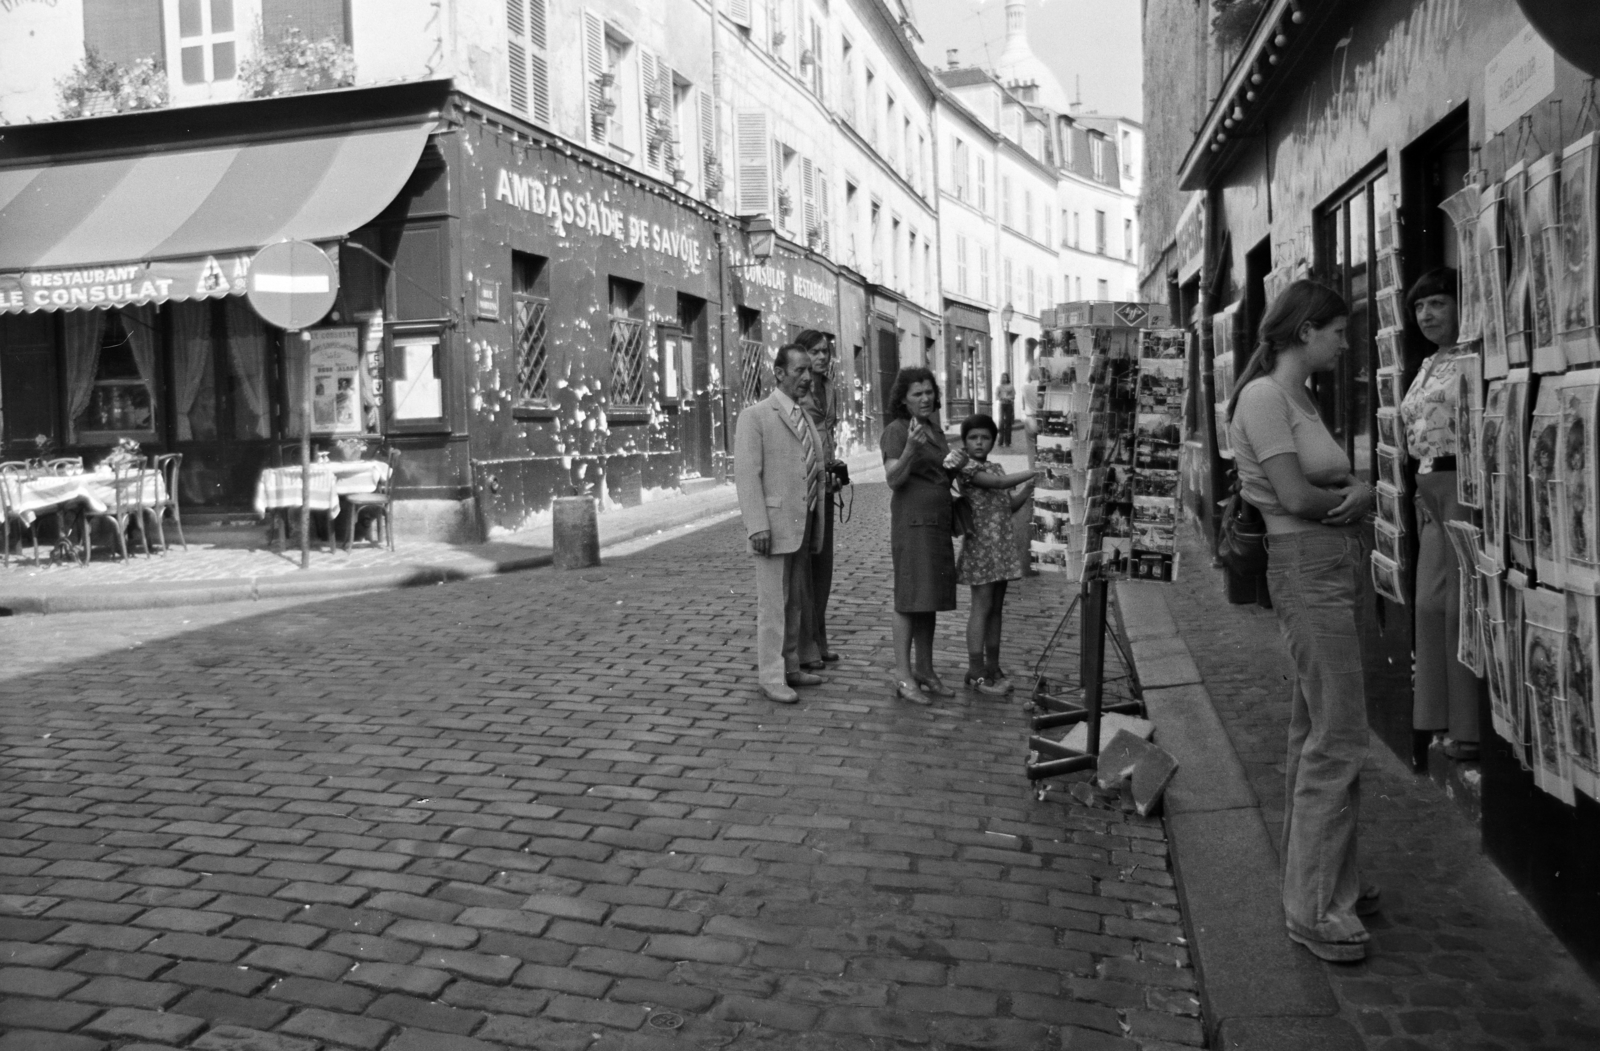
575, 532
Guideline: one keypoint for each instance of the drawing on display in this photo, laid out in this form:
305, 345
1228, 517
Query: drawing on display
1512, 211
1542, 236
1576, 488
1543, 448
1580, 687
1544, 654
1575, 292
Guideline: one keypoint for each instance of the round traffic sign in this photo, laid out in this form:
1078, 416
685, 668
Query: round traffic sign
292, 284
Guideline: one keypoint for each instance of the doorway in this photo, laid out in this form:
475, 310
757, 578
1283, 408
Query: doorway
693, 366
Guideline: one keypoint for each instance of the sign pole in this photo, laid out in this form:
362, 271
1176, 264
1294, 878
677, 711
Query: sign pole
305, 459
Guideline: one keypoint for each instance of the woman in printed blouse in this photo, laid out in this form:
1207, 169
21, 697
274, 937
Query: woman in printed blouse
1444, 691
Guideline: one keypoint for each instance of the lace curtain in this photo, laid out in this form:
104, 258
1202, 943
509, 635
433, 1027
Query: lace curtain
191, 368
84, 331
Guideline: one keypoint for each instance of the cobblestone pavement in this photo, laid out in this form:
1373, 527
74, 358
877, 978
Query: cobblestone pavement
1460, 961
551, 811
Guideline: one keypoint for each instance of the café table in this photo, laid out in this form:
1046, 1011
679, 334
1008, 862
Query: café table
94, 491
281, 488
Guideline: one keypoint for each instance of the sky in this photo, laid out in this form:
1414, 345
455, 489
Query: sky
1095, 40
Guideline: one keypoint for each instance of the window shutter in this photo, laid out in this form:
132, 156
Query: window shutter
650, 89
753, 129
517, 53
739, 13
594, 64
808, 196
824, 211
539, 61
708, 148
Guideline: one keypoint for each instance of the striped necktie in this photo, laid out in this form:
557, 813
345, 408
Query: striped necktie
810, 448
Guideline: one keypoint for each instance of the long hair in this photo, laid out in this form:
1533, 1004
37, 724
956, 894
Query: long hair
1303, 302
903, 382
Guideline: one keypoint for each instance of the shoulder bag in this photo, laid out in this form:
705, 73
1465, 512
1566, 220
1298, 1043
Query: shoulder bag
1242, 534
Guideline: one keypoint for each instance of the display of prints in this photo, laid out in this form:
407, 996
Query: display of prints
1543, 480
1389, 308
1575, 292
1491, 451
1390, 429
1386, 579
1513, 211
1518, 516
1502, 687
1389, 348
1542, 234
1583, 655
1464, 541
1543, 667
335, 355
1391, 468
1575, 469
1516, 698
1389, 393
1462, 207
1388, 269
1492, 284
1388, 497
1386, 540
1469, 418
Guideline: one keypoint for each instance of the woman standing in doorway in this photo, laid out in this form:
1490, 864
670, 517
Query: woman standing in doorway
914, 449
1300, 478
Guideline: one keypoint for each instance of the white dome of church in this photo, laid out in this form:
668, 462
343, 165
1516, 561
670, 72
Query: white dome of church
1019, 66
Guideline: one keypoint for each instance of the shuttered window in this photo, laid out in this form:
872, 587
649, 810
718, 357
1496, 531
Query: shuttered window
595, 76
658, 104
753, 130
316, 19
124, 31
708, 145
739, 12
528, 54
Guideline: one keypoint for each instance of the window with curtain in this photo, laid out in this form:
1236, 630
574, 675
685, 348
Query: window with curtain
194, 374
247, 340
111, 373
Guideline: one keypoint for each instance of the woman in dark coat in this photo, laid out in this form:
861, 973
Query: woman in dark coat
914, 450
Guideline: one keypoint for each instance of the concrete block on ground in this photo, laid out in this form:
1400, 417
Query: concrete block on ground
1164, 662
1111, 723
1210, 776
1146, 767
1227, 872
1287, 1034
1144, 610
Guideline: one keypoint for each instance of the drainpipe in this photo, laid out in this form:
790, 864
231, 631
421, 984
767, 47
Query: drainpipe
721, 437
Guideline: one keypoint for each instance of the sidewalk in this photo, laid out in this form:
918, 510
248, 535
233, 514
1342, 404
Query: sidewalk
232, 564
1458, 958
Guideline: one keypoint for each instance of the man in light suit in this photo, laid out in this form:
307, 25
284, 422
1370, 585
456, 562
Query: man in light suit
778, 462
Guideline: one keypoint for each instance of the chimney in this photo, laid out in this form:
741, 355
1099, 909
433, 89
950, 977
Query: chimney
951, 60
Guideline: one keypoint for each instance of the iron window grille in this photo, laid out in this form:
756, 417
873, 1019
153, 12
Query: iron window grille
630, 364
533, 349
752, 356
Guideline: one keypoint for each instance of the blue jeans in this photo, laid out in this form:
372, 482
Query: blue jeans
1313, 579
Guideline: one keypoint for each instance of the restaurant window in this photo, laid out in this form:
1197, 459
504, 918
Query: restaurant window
530, 306
206, 40
219, 372
124, 31
315, 19
630, 358
111, 374
28, 390
1347, 246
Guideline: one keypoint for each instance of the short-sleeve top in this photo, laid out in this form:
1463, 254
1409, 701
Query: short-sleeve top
1266, 423
1428, 411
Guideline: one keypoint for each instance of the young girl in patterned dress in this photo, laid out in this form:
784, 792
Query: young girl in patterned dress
989, 556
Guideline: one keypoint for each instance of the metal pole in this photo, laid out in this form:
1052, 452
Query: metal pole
305, 462
1092, 656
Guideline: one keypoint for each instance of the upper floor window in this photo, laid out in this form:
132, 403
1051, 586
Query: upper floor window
1027, 213
983, 185
847, 74
1127, 155
124, 31
1067, 152
1005, 200
1097, 156
530, 304
528, 54
1100, 232
872, 107
959, 166
206, 41
1127, 239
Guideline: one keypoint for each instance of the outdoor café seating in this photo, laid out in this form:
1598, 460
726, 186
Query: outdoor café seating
281, 491
121, 491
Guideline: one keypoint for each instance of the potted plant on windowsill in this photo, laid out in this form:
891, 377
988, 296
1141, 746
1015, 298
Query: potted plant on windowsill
97, 86
295, 64
714, 177
785, 204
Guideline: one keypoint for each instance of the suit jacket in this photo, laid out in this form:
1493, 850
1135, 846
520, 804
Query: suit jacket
769, 471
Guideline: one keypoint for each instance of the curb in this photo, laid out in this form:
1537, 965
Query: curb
1258, 990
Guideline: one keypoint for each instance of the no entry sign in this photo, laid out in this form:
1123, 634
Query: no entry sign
292, 284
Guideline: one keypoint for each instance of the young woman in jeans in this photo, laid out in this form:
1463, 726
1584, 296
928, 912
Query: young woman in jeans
1291, 468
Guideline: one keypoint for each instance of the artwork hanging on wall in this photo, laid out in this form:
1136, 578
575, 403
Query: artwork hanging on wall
1491, 284
1469, 418
1513, 209
1544, 446
1583, 656
1491, 452
1543, 665
1575, 472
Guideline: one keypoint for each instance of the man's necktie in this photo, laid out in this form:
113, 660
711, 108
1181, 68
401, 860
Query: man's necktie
812, 474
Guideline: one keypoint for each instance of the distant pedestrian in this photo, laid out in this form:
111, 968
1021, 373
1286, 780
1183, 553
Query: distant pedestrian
914, 450
1030, 410
821, 402
1006, 396
1293, 470
778, 471
989, 558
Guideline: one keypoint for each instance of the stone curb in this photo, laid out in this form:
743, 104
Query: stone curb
1259, 991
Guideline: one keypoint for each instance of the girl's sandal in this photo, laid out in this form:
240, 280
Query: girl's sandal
987, 687
908, 692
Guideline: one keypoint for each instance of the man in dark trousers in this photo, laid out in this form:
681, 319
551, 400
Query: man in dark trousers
821, 403
779, 472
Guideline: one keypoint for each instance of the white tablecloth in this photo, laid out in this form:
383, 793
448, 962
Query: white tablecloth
282, 486
94, 489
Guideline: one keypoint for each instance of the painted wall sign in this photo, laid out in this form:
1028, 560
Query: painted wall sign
579, 211
1521, 75
1192, 237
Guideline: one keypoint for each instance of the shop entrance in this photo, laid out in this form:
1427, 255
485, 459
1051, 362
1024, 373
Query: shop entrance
888, 365
693, 370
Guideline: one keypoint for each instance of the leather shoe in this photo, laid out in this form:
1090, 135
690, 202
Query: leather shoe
813, 665
803, 678
779, 694
829, 656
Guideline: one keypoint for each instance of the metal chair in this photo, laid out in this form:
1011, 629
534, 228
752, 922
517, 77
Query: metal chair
378, 502
167, 465
11, 473
126, 507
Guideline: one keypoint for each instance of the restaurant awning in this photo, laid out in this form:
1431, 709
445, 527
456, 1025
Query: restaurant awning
183, 224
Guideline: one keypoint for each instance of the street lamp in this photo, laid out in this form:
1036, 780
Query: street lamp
761, 237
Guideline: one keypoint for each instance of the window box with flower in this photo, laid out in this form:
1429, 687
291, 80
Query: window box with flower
296, 63
97, 87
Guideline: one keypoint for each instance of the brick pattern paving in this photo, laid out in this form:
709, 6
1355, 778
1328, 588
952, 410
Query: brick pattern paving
1459, 960
550, 811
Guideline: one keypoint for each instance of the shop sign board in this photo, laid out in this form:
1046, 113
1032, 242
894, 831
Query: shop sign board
793, 287
581, 213
487, 303
335, 380
1515, 80
126, 284
1192, 237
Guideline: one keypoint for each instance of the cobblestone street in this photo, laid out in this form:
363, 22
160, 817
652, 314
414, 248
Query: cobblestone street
551, 811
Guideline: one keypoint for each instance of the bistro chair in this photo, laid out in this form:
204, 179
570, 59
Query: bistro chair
126, 507
11, 473
166, 467
378, 502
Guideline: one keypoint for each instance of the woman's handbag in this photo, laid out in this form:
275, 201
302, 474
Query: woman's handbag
1241, 535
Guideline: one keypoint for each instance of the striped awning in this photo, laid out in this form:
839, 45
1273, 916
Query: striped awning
183, 224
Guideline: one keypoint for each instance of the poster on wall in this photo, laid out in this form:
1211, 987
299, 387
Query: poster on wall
1583, 655
1575, 472
335, 355
1501, 685
1543, 481
1575, 292
1464, 542
1543, 238
1491, 451
1515, 464
1543, 663
1492, 284
1512, 215
1462, 207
